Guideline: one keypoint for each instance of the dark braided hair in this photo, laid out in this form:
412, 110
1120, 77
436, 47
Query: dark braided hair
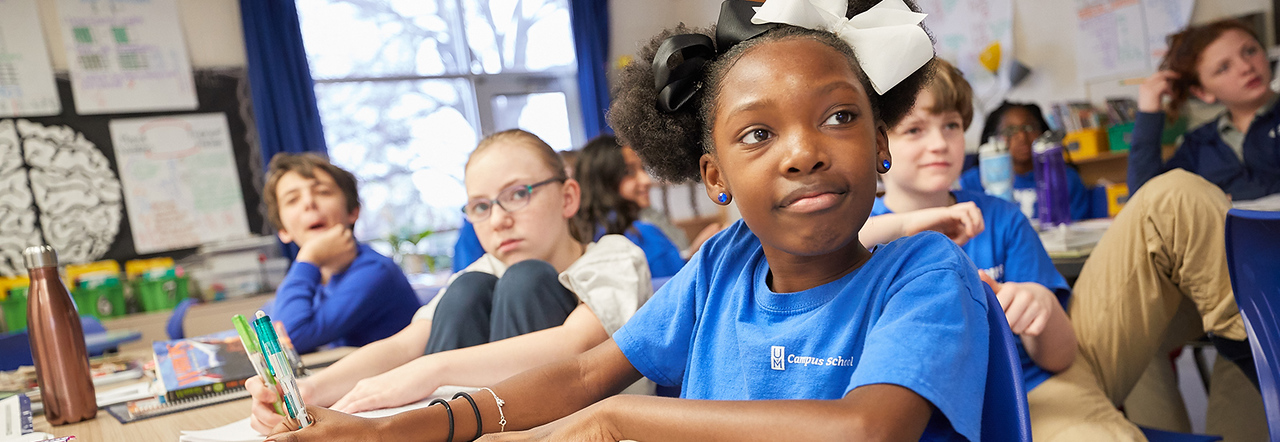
672, 144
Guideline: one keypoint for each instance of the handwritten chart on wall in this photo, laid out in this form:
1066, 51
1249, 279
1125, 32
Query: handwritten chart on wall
969, 32
181, 185
1125, 37
126, 56
26, 77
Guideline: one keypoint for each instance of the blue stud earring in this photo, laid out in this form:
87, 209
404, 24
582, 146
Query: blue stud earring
723, 198
885, 163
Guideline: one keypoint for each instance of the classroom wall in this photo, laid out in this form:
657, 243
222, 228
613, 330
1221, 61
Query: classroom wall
215, 38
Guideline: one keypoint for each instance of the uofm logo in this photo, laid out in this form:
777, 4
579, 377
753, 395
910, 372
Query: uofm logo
777, 357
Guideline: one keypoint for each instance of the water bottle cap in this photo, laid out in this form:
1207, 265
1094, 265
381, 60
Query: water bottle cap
40, 256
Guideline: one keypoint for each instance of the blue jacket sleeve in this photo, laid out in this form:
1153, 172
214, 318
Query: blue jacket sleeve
1144, 153
1079, 195
314, 315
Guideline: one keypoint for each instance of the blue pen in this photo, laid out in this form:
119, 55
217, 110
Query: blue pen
279, 366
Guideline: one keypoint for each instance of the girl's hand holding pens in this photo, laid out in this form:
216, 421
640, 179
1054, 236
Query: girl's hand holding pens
1152, 90
262, 416
329, 425
402, 385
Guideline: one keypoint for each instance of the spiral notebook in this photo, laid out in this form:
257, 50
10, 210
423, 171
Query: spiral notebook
151, 407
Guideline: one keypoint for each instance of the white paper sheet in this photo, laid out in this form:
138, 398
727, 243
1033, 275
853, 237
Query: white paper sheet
966, 28
126, 56
181, 185
27, 88
240, 431
1125, 37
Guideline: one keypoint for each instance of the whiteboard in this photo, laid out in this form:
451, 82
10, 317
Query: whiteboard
181, 186
27, 88
126, 56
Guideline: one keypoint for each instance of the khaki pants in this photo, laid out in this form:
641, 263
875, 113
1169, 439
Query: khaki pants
1166, 248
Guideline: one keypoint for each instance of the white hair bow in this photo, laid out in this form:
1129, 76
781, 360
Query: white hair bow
887, 38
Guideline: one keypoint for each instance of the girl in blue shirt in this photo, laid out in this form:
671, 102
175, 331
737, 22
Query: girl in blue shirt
1021, 124
784, 325
610, 187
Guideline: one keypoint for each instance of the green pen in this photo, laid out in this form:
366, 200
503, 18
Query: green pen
250, 341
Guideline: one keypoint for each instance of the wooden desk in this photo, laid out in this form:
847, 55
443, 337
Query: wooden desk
201, 319
168, 428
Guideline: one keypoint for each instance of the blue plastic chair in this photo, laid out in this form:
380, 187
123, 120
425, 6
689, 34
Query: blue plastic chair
1253, 259
174, 326
15, 347
1005, 413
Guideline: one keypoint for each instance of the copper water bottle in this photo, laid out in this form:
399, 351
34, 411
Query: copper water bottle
57, 342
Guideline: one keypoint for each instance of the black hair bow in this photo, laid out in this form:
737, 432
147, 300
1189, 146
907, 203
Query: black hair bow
679, 79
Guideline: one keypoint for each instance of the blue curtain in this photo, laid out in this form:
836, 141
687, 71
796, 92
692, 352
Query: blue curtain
284, 99
591, 42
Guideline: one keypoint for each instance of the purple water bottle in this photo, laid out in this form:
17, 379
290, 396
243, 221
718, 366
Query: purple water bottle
1052, 194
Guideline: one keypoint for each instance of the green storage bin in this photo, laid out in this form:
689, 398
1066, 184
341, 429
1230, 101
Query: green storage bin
15, 309
104, 301
1120, 137
162, 293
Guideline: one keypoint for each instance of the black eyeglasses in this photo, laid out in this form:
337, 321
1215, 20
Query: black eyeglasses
512, 199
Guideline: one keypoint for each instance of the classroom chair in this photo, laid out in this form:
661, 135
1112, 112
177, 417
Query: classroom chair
174, 326
15, 347
1005, 413
1253, 238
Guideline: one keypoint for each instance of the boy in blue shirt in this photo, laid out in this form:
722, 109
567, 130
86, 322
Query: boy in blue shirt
338, 291
928, 151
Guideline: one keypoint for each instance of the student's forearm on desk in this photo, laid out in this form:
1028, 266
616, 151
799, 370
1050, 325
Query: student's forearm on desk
332, 383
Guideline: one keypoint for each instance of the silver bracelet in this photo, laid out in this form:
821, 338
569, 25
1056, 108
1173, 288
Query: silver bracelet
502, 419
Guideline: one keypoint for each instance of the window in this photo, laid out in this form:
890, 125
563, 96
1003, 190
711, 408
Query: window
406, 88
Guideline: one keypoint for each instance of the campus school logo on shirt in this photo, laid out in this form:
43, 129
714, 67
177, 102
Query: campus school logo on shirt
778, 359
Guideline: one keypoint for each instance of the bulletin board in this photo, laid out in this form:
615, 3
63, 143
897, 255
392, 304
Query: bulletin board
59, 176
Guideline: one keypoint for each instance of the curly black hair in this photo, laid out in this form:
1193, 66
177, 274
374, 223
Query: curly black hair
671, 144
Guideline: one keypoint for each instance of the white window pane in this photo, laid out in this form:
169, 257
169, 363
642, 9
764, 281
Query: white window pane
367, 38
545, 115
407, 142
518, 35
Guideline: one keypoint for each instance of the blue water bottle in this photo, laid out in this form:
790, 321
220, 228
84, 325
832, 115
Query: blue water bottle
1052, 192
995, 169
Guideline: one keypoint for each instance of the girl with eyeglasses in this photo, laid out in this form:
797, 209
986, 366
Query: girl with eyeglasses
554, 295
1020, 124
